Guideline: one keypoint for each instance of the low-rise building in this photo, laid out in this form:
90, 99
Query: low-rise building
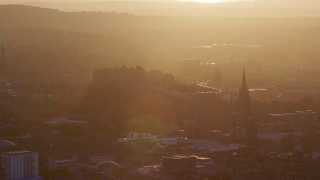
98, 158
132, 136
63, 163
20, 165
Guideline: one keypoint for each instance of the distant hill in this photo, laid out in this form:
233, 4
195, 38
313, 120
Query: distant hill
94, 39
257, 8
43, 17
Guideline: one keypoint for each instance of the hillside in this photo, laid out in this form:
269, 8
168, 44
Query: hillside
96, 39
240, 8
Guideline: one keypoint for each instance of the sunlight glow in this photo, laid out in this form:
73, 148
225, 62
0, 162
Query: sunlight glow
206, 1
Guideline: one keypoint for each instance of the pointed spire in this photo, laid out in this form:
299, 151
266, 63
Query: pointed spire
244, 97
244, 83
244, 74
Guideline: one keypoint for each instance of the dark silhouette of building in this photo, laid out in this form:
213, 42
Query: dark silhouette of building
244, 98
3, 62
245, 113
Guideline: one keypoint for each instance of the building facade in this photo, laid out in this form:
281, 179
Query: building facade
20, 165
70, 164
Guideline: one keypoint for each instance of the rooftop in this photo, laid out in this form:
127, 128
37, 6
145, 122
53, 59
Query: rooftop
17, 153
184, 156
5, 143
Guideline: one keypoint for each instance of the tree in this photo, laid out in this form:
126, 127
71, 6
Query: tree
146, 124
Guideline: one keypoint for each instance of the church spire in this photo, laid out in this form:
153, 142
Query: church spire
244, 97
244, 83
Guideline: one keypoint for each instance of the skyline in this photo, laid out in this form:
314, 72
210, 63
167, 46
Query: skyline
274, 2
133, 89
234, 8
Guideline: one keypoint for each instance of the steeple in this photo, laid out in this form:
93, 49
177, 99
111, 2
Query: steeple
244, 97
245, 112
244, 83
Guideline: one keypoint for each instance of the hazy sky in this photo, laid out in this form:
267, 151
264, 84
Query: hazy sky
10, 1
295, 4
266, 1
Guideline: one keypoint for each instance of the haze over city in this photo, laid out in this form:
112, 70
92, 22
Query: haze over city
160, 89
218, 8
